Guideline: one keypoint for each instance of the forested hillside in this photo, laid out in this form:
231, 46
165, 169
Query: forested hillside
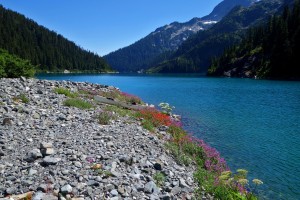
46, 49
195, 54
270, 51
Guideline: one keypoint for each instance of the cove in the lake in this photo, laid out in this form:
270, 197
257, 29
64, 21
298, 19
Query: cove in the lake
255, 124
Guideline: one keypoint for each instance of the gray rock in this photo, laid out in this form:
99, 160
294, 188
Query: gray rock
45, 145
158, 166
66, 189
42, 188
32, 172
110, 144
182, 183
151, 187
110, 187
47, 152
93, 183
78, 164
7, 122
11, 190
33, 155
50, 161
176, 190
114, 193
165, 197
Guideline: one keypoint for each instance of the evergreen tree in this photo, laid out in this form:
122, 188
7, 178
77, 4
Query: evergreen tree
46, 49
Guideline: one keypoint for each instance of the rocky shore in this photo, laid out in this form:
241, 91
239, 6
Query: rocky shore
50, 151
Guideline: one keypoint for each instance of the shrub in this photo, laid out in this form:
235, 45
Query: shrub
105, 117
166, 108
129, 98
12, 66
78, 103
65, 92
153, 118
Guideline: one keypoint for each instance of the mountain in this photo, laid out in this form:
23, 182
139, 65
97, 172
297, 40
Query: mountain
159, 44
223, 8
46, 49
195, 54
270, 51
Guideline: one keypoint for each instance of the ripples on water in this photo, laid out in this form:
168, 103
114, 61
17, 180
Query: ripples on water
255, 124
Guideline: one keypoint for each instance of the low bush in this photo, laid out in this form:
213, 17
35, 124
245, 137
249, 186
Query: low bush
12, 66
104, 117
152, 118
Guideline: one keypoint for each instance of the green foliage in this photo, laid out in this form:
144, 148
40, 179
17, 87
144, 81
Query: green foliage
178, 154
78, 103
166, 108
268, 51
12, 66
120, 111
159, 179
105, 117
21, 97
46, 49
104, 173
65, 92
148, 125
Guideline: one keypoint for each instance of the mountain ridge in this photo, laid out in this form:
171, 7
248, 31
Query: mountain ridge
195, 54
159, 44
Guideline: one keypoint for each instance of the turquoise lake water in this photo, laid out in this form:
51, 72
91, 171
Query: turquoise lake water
254, 124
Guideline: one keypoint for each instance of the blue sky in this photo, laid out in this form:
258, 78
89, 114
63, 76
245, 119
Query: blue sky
103, 26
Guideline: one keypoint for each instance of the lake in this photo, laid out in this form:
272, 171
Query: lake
254, 124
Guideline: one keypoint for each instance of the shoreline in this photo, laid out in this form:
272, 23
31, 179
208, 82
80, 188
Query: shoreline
49, 150
58, 141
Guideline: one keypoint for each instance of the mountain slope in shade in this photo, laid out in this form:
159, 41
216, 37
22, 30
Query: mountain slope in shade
195, 54
270, 51
48, 50
159, 44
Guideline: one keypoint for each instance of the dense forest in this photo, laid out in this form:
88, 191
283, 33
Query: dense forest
270, 51
44, 48
195, 54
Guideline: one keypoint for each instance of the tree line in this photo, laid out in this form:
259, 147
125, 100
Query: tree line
46, 49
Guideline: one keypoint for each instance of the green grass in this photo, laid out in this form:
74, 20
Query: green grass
78, 103
21, 97
65, 92
148, 125
180, 157
159, 178
120, 111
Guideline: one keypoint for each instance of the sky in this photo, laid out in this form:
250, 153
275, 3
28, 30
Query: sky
103, 26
